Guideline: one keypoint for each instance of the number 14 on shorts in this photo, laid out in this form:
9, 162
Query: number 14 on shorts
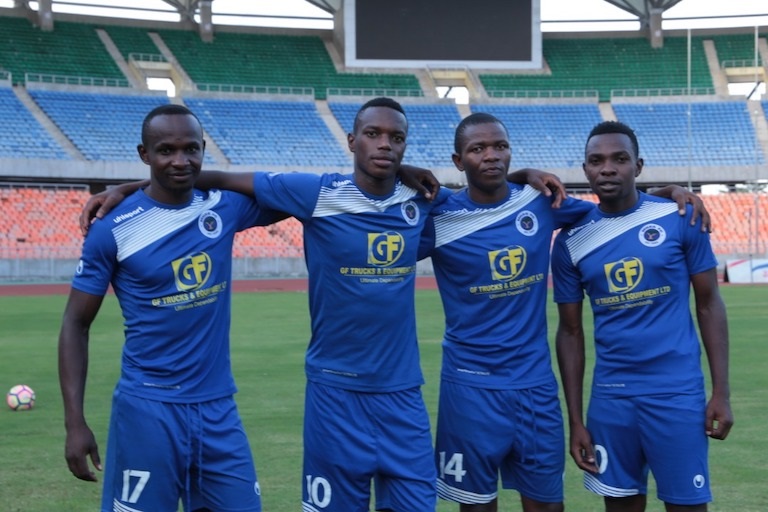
453, 467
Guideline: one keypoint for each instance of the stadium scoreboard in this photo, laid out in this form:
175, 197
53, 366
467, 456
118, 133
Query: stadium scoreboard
483, 34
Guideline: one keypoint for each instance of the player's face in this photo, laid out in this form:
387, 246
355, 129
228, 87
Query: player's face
611, 168
378, 144
485, 157
174, 152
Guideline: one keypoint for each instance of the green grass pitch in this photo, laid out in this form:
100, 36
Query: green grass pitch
269, 336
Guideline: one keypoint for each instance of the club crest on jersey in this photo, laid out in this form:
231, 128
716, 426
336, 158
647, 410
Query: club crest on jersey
384, 249
209, 223
527, 223
623, 275
192, 272
507, 263
410, 212
652, 235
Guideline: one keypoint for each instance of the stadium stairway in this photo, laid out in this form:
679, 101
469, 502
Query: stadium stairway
719, 80
46, 122
324, 111
114, 52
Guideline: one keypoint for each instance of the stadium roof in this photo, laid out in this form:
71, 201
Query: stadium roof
556, 15
643, 8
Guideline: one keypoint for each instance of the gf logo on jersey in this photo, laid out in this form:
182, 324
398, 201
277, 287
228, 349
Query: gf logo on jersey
385, 248
191, 272
623, 275
507, 263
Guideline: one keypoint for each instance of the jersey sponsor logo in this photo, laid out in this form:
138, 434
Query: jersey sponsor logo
527, 223
652, 235
507, 263
209, 223
410, 212
192, 272
623, 275
384, 249
699, 481
80, 266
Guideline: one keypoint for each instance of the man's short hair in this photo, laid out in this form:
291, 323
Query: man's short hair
607, 127
169, 109
474, 120
378, 102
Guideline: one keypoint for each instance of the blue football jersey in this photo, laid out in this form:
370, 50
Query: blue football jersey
171, 269
491, 262
635, 267
361, 256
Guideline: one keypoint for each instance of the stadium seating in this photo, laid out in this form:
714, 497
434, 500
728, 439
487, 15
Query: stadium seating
41, 222
284, 239
740, 223
735, 49
264, 59
431, 129
739, 220
131, 40
21, 136
101, 126
722, 133
269, 133
546, 136
607, 64
276, 132
73, 49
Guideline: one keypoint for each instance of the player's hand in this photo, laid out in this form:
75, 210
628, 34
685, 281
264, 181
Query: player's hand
545, 182
421, 180
719, 418
582, 451
80, 446
683, 196
98, 205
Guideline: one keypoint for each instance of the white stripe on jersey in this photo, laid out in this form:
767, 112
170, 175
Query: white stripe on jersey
142, 230
593, 484
453, 225
591, 236
349, 199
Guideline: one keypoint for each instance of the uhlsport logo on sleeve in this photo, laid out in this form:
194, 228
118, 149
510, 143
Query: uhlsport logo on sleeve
507, 263
623, 275
384, 249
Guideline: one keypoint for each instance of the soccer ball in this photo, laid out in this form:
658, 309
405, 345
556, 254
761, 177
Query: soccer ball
20, 398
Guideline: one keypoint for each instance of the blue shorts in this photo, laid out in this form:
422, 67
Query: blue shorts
159, 453
661, 433
484, 433
352, 437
